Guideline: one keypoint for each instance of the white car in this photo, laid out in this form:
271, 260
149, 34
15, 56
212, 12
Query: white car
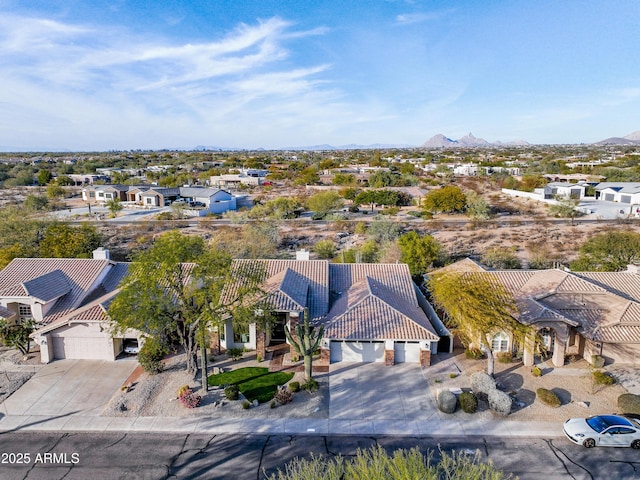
131, 346
604, 431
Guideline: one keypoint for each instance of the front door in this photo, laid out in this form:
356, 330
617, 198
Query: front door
277, 330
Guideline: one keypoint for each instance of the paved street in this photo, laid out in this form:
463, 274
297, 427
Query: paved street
198, 456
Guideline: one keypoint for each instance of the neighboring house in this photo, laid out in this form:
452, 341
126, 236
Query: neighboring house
574, 313
208, 200
563, 190
68, 299
627, 193
371, 312
245, 177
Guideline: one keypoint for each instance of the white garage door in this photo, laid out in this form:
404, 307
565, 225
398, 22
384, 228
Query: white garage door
608, 197
406, 352
357, 351
88, 348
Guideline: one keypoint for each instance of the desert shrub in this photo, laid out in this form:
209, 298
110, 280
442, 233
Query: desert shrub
447, 401
273, 404
283, 396
234, 353
500, 402
473, 353
482, 383
602, 378
294, 386
629, 404
597, 361
151, 355
537, 371
548, 397
189, 399
504, 357
232, 392
183, 389
311, 385
259, 358
246, 404
468, 402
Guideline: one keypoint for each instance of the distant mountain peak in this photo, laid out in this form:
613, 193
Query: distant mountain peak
469, 140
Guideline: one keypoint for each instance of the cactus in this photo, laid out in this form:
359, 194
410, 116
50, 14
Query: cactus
307, 342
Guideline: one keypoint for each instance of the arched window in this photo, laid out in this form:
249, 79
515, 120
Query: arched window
500, 342
548, 339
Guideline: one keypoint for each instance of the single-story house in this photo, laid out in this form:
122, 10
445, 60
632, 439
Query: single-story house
574, 313
67, 298
371, 312
627, 193
562, 189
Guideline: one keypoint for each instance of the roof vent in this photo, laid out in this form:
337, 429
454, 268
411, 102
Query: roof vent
302, 254
101, 253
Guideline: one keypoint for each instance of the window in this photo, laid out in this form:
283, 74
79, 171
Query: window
24, 311
241, 335
500, 342
548, 338
92, 194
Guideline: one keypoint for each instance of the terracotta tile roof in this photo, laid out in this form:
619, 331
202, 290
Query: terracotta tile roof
621, 283
82, 276
288, 291
375, 301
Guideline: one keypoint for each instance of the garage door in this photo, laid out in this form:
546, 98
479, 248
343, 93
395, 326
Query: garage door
88, 348
608, 197
357, 351
406, 352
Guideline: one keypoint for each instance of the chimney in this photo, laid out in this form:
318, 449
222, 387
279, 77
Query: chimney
302, 254
101, 253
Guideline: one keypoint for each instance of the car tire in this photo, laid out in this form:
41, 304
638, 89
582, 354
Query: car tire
589, 443
635, 444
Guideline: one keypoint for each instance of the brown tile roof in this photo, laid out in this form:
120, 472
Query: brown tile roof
375, 301
288, 290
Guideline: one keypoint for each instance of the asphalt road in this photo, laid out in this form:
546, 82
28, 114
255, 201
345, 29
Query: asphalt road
79, 456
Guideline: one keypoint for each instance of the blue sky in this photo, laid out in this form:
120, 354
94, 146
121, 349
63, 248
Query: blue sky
145, 74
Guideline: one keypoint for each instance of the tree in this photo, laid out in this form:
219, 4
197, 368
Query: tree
565, 208
44, 177
36, 203
501, 258
61, 240
322, 203
54, 191
278, 209
449, 199
383, 230
477, 306
306, 343
609, 252
477, 207
344, 179
175, 288
115, 206
17, 336
419, 253
325, 248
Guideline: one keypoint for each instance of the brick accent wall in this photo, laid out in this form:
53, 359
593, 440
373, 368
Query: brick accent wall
425, 358
389, 357
261, 339
214, 345
325, 356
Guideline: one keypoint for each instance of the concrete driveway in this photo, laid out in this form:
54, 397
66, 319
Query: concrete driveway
66, 387
365, 391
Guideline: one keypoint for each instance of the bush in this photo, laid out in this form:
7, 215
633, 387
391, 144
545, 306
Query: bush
232, 392
151, 355
468, 402
311, 385
283, 396
500, 402
294, 386
234, 353
188, 398
597, 361
602, 378
504, 357
246, 404
482, 383
537, 371
548, 397
182, 390
447, 401
629, 404
473, 353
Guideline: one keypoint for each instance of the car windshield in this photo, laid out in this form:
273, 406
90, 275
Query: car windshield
600, 423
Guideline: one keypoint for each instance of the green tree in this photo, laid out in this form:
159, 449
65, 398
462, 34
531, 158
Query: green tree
62, 240
609, 252
115, 206
344, 179
449, 199
322, 203
278, 209
16, 336
477, 207
383, 230
477, 306
501, 258
54, 191
565, 208
44, 177
419, 252
36, 203
325, 249
308, 176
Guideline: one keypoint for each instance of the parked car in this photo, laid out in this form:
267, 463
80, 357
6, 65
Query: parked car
604, 431
196, 204
131, 346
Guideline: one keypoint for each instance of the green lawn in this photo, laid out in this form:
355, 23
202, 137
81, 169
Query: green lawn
254, 382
